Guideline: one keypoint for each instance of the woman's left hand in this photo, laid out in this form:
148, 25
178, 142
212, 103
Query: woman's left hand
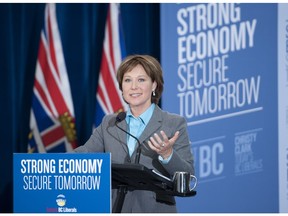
163, 146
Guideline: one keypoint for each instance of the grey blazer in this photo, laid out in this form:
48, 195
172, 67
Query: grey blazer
108, 138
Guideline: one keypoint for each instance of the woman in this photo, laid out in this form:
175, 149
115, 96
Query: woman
163, 136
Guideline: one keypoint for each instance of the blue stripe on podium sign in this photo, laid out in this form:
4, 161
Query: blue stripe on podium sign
62, 183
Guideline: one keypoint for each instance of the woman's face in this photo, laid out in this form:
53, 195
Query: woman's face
137, 88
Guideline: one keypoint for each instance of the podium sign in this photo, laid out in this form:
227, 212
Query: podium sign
62, 182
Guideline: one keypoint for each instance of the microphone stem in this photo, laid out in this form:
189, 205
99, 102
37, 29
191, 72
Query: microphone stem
138, 151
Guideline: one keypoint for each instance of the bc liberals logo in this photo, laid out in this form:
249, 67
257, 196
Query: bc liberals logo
61, 200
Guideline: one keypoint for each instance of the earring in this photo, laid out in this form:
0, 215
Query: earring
153, 93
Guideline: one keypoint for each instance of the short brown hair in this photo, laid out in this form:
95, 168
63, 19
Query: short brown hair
151, 66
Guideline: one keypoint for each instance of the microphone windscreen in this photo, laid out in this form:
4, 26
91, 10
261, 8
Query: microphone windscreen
121, 116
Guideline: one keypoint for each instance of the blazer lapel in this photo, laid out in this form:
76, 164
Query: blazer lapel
153, 125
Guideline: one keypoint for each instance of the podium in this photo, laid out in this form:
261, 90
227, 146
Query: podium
138, 177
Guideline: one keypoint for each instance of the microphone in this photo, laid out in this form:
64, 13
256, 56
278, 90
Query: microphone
120, 117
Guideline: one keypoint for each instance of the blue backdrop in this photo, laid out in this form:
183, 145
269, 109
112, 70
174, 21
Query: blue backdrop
221, 68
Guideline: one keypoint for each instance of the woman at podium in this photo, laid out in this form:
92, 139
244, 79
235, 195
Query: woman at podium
143, 134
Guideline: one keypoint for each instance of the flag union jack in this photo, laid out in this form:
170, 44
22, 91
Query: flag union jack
109, 97
52, 120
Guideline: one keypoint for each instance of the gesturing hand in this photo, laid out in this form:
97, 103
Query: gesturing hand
163, 146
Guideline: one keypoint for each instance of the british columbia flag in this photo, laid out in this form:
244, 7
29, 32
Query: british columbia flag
52, 122
109, 97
